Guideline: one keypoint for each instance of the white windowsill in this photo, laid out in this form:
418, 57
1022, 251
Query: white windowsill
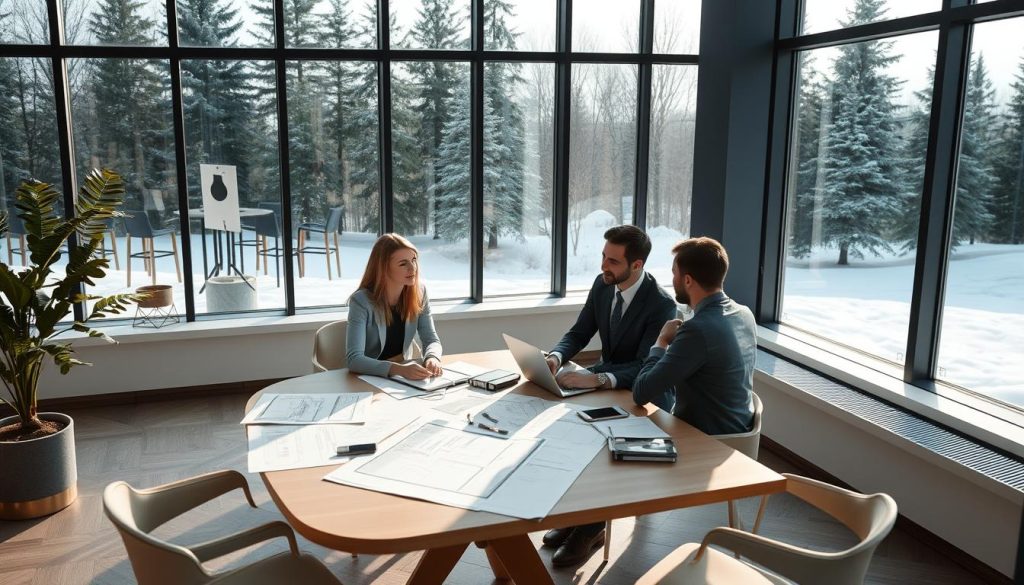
267, 324
1000, 427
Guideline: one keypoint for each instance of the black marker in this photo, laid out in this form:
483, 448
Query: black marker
361, 449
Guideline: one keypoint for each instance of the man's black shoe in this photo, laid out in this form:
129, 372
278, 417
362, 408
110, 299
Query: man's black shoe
577, 548
555, 538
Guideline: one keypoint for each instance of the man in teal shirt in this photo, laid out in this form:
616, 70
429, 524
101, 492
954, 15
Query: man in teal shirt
708, 361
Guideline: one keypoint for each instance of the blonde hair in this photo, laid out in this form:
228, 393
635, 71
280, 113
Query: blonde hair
375, 278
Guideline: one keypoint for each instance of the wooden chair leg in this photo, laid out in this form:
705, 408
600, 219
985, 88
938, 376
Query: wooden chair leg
337, 253
113, 246
258, 239
129, 260
265, 250
174, 248
302, 255
607, 539
327, 254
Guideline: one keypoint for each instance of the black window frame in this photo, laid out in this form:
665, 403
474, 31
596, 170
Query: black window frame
954, 24
563, 58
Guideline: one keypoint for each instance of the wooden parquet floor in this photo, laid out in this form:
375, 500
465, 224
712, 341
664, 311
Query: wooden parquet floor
154, 443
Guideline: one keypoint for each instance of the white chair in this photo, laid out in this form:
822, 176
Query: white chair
746, 443
329, 347
136, 513
870, 517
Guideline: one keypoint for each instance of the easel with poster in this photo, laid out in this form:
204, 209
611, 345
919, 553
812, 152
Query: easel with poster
220, 212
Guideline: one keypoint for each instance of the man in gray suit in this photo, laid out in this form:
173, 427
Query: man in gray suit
709, 360
627, 308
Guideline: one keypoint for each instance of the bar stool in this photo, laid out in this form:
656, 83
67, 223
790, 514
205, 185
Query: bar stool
15, 228
136, 225
332, 226
113, 243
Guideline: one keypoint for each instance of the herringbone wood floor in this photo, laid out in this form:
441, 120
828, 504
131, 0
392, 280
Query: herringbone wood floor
159, 442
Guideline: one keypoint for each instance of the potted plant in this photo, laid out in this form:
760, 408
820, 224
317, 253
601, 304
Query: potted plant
37, 450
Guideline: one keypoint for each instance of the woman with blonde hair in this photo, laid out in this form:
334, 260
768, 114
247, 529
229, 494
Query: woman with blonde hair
387, 311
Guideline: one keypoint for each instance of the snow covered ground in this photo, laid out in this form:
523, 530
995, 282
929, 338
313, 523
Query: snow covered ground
865, 305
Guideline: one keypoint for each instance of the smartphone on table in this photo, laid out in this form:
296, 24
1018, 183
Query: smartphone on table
603, 413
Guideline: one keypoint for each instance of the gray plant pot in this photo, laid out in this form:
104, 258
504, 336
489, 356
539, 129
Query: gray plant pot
40, 476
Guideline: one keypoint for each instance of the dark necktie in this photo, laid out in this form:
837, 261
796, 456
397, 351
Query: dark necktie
613, 326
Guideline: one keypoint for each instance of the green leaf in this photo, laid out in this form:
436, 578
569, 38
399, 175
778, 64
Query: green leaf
33, 301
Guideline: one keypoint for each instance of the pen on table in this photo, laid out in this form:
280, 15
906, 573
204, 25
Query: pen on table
469, 419
360, 449
489, 417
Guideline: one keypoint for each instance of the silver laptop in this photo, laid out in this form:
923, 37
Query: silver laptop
531, 361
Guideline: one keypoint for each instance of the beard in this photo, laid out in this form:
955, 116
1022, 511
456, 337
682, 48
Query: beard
610, 277
682, 297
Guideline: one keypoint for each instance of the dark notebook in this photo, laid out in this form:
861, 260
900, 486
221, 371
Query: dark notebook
635, 449
494, 380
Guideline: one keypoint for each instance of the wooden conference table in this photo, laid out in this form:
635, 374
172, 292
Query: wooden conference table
363, 521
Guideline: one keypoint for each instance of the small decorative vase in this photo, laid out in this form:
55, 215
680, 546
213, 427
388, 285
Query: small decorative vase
40, 475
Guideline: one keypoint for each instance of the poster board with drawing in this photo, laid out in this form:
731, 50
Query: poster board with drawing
220, 198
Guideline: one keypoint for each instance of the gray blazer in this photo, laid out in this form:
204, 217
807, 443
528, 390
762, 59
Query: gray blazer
366, 330
709, 367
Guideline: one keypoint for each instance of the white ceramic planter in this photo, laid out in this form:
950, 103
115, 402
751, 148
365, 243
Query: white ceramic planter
39, 476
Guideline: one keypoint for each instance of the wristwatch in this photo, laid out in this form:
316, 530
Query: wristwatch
602, 380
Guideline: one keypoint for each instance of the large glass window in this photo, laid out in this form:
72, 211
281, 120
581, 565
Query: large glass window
518, 141
670, 174
121, 120
28, 147
430, 141
602, 163
677, 26
335, 189
24, 22
426, 24
983, 318
823, 15
117, 22
231, 126
224, 23
854, 189
519, 25
331, 24
222, 75
608, 26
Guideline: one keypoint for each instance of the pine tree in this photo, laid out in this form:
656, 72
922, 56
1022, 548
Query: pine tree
812, 119
453, 179
862, 193
436, 28
126, 107
972, 218
218, 96
1008, 200
504, 184
339, 80
11, 147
